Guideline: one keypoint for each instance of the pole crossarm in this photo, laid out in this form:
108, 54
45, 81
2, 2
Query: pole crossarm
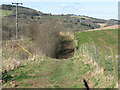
17, 3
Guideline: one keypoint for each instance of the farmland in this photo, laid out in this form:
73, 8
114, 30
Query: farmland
101, 46
6, 12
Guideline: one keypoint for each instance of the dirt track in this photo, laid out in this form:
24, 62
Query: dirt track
104, 28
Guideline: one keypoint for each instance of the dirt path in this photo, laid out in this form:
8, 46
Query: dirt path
104, 28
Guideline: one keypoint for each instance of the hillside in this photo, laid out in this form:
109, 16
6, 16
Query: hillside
102, 47
28, 15
23, 12
58, 51
87, 63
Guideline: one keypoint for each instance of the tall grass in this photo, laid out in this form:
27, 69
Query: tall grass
13, 55
101, 46
103, 59
115, 64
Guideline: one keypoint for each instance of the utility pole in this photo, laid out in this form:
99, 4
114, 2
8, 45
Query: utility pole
17, 19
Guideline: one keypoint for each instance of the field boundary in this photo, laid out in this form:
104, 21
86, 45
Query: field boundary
104, 28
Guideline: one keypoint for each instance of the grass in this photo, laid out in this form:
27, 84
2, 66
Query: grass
53, 73
101, 24
13, 55
69, 73
54, 17
81, 17
98, 45
6, 12
106, 37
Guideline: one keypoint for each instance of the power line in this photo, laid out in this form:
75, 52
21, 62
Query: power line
17, 18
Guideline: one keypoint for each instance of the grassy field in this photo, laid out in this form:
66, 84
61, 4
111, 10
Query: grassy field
81, 17
54, 17
102, 25
102, 47
106, 37
6, 12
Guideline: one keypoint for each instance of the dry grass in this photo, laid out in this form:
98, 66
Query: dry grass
105, 28
13, 55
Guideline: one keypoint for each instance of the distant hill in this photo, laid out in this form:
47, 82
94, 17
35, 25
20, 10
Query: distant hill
27, 15
23, 12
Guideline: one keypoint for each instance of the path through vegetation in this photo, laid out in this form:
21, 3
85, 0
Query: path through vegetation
53, 73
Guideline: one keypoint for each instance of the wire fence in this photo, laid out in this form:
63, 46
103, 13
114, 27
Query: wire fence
105, 57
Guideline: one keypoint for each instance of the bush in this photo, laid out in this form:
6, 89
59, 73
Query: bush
45, 36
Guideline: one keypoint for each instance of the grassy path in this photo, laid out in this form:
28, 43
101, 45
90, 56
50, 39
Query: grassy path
52, 73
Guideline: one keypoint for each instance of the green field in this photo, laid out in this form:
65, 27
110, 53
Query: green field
82, 17
54, 17
106, 37
102, 47
6, 12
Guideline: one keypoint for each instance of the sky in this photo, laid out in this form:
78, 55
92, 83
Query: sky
104, 9
60, 0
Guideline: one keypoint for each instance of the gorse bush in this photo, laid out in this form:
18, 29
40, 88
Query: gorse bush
45, 36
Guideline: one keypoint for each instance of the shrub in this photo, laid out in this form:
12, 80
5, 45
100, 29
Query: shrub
45, 36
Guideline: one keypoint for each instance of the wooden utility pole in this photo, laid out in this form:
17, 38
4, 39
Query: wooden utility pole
17, 19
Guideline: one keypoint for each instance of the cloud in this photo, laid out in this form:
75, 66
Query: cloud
64, 6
